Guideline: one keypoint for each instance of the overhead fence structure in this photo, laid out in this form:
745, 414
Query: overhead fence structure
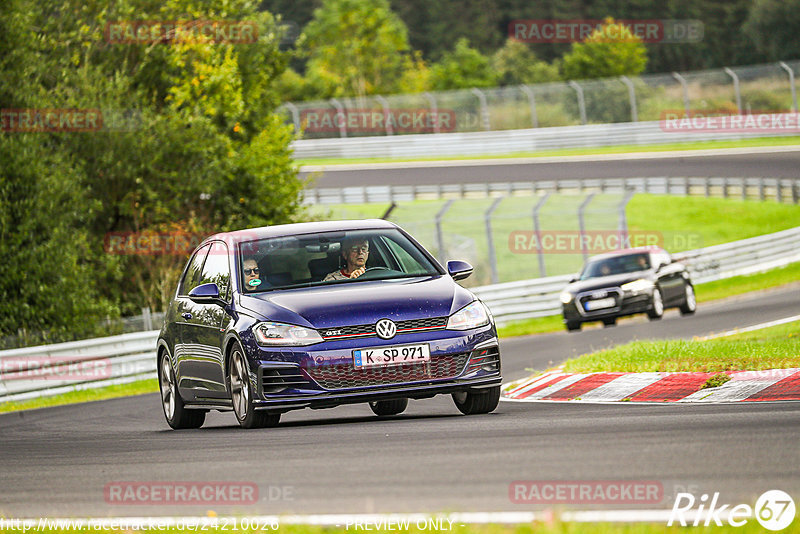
52, 369
615, 111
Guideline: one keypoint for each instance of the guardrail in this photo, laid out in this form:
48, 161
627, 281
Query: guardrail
63, 367
527, 299
780, 189
515, 141
52, 369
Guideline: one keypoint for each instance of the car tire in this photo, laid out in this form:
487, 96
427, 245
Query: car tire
388, 407
610, 322
689, 302
473, 403
242, 394
573, 326
176, 414
656, 306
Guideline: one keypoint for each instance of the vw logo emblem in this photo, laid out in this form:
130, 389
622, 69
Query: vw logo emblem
385, 329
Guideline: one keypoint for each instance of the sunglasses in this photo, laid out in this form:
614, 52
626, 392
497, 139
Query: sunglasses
251, 271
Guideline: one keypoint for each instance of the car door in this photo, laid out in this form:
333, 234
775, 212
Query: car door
670, 278
187, 383
205, 326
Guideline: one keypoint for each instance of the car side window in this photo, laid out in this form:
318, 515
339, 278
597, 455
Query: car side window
217, 269
191, 278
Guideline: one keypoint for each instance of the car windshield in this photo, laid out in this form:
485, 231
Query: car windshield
629, 263
328, 258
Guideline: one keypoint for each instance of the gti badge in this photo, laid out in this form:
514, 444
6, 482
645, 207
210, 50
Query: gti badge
385, 329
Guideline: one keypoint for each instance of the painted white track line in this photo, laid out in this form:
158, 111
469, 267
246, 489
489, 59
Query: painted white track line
548, 159
751, 328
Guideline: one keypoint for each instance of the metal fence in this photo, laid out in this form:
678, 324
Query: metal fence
743, 90
510, 231
52, 369
754, 188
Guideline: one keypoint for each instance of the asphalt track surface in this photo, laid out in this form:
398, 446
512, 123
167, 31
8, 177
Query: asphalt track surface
56, 462
781, 163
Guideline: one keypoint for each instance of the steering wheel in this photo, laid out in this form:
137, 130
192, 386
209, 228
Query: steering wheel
375, 269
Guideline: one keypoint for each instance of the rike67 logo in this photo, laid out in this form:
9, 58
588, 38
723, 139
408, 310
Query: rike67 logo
774, 510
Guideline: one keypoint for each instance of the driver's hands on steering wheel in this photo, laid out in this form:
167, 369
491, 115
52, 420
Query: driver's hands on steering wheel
358, 272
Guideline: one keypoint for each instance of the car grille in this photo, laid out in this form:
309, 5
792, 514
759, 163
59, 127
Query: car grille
597, 294
367, 330
347, 376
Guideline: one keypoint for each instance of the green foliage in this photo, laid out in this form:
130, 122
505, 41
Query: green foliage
204, 152
611, 50
773, 25
356, 46
463, 68
516, 64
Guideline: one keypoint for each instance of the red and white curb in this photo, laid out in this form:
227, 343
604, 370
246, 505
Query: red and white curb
767, 385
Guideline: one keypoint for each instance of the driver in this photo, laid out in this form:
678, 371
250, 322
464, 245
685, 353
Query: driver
355, 252
251, 274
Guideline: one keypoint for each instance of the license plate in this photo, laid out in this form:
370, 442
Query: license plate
599, 304
386, 356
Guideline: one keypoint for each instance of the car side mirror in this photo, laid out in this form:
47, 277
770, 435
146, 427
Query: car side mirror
205, 294
459, 269
573, 279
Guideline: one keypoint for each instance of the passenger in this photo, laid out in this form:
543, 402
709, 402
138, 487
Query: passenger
251, 274
355, 253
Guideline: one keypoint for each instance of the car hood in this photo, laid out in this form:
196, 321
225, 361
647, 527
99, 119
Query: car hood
607, 281
360, 303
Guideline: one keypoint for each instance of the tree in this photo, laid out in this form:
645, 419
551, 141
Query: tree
204, 151
358, 46
516, 64
462, 68
611, 50
774, 27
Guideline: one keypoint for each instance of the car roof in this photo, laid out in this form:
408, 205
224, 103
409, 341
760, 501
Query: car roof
625, 252
283, 230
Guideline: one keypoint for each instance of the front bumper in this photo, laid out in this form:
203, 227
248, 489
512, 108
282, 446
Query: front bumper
626, 304
327, 378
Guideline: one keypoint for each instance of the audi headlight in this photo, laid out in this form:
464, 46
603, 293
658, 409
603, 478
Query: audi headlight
637, 286
272, 334
566, 297
470, 316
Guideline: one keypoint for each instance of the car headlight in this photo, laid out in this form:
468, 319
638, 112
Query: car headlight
566, 297
470, 316
637, 286
272, 334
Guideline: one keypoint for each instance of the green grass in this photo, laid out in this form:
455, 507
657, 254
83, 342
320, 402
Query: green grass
122, 390
707, 292
550, 527
777, 347
745, 284
619, 149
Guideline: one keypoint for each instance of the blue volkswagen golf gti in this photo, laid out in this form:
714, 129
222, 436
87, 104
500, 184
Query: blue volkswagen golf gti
315, 315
